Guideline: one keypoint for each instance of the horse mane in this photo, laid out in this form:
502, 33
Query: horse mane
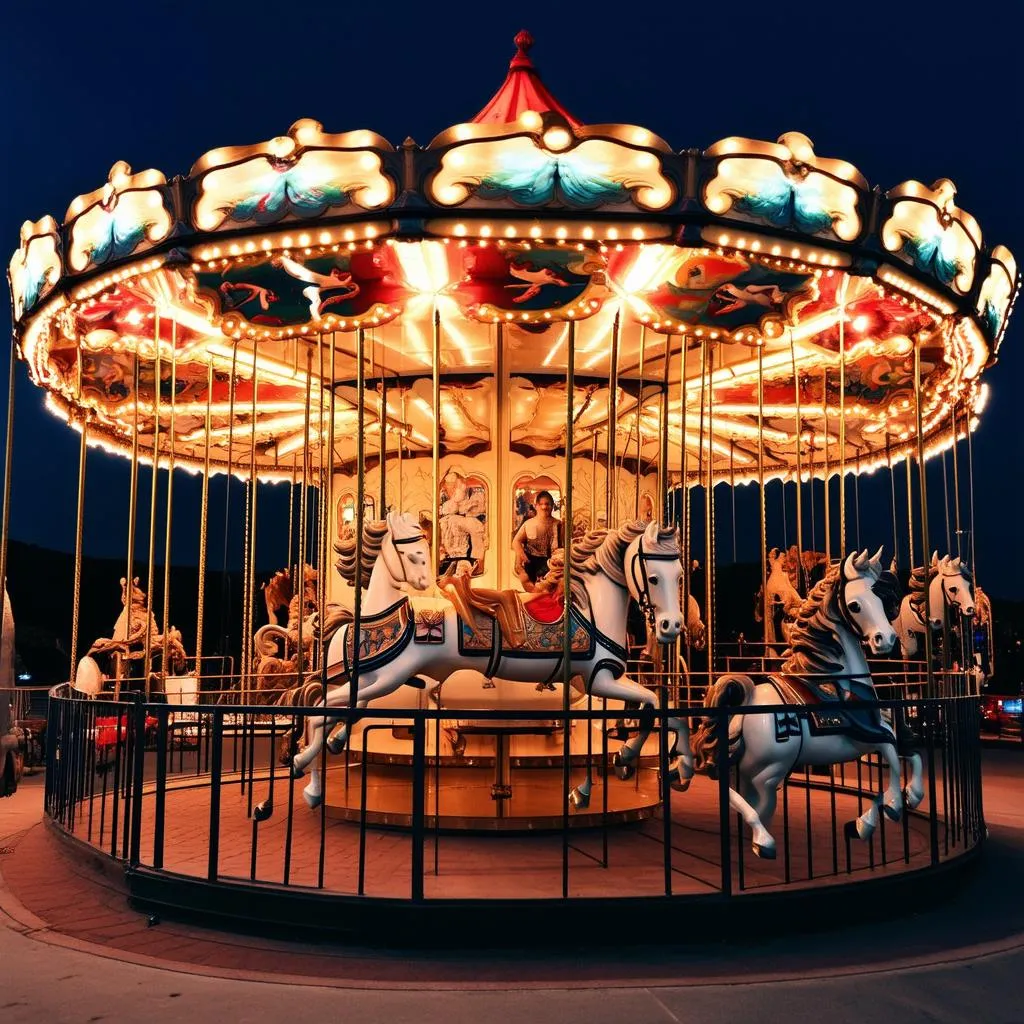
920, 580
605, 551
374, 531
813, 647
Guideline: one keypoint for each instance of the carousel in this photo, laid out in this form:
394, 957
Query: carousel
502, 386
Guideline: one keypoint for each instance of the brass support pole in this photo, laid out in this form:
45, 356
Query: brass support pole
663, 474
923, 486
827, 497
435, 450
147, 661
300, 571
910, 520
611, 478
357, 598
133, 486
956, 482
638, 412
842, 417
170, 506
83, 448
765, 611
708, 360
801, 576
570, 388
684, 493
204, 525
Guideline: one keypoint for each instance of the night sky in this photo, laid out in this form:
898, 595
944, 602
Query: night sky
902, 90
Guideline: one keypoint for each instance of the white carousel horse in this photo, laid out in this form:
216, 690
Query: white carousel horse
945, 585
639, 560
841, 612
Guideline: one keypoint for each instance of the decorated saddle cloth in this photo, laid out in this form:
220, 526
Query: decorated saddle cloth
539, 631
382, 637
841, 714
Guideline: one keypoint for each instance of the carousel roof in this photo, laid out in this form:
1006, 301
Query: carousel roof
240, 288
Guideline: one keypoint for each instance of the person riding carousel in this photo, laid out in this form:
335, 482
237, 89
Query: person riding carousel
535, 542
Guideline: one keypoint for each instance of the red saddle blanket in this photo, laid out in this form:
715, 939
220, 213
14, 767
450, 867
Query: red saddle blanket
545, 608
109, 729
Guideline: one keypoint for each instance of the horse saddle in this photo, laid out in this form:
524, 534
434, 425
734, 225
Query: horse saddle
505, 607
841, 714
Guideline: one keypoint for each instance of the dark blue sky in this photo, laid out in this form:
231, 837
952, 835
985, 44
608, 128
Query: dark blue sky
902, 90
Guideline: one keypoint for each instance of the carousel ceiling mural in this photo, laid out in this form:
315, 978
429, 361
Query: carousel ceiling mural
774, 288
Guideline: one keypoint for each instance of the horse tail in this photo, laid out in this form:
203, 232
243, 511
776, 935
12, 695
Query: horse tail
729, 691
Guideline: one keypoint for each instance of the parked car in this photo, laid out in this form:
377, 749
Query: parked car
1001, 714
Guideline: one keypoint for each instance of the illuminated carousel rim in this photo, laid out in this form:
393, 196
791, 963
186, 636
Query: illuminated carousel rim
523, 176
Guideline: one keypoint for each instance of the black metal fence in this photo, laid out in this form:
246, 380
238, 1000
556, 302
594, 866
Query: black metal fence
182, 792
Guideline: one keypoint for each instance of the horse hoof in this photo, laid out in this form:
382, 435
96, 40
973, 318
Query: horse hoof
297, 770
893, 813
763, 851
312, 799
579, 800
911, 800
680, 785
263, 810
623, 769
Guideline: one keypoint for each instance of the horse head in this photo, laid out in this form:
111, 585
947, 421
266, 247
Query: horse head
862, 607
957, 585
653, 570
405, 551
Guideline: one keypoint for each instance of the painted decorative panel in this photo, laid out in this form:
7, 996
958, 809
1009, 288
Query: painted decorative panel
997, 291
929, 231
551, 169
785, 185
302, 174
125, 215
35, 268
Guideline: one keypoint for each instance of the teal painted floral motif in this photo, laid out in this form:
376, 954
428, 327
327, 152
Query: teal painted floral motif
119, 235
285, 189
35, 281
539, 177
788, 204
993, 317
935, 255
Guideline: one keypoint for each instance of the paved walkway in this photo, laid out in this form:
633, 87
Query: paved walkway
73, 951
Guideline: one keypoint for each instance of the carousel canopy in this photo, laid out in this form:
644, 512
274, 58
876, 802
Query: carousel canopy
752, 290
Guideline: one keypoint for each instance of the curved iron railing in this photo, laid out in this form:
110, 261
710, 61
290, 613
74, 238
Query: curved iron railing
173, 791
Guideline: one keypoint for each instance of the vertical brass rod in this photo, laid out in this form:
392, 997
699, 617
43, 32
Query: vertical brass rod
762, 500
802, 588
204, 525
639, 408
382, 508
435, 450
250, 564
910, 520
83, 448
956, 483
923, 488
842, 417
611, 477
299, 585
708, 367
684, 493
170, 506
323, 505
663, 474
357, 597
570, 390
593, 481
828, 497
892, 499
157, 383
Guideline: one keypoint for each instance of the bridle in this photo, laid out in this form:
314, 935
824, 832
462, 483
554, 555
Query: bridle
640, 586
400, 576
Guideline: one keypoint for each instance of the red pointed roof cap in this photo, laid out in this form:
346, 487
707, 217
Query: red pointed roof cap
522, 90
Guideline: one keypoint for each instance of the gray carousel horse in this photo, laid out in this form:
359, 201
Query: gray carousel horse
943, 587
825, 665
